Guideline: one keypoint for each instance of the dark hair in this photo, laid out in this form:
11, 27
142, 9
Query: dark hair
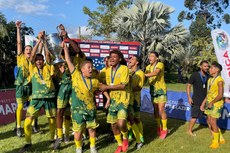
85, 62
39, 55
118, 52
217, 65
155, 53
204, 61
28, 46
139, 60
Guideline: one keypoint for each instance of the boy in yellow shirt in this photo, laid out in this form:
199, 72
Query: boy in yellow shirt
213, 103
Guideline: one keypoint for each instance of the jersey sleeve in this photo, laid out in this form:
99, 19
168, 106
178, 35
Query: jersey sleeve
192, 79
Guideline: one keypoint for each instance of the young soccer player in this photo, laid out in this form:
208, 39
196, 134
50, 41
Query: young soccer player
137, 82
82, 105
43, 93
117, 79
22, 81
155, 74
213, 103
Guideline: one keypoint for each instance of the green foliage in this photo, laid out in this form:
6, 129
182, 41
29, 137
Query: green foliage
213, 11
100, 21
8, 49
149, 23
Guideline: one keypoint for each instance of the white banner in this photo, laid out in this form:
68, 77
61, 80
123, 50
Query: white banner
30, 40
221, 42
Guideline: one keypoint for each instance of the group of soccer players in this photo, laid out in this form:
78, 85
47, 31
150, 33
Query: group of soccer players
66, 92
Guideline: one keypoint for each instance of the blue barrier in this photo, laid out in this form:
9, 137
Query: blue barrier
178, 107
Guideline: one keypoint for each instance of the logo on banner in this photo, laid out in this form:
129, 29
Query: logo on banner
222, 40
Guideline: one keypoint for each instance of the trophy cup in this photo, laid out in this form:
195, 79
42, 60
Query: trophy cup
54, 45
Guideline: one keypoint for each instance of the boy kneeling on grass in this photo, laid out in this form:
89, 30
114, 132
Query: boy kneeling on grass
213, 103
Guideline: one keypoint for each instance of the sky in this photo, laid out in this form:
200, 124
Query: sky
48, 14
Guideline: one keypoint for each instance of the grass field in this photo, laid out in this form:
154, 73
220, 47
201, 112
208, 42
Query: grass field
176, 142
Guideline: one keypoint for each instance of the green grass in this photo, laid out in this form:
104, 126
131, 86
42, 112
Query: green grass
176, 142
176, 87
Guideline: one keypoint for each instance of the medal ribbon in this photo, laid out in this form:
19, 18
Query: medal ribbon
113, 75
89, 88
203, 79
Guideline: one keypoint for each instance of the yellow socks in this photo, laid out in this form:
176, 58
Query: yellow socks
78, 143
52, 123
92, 141
222, 140
164, 124
136, 133
19, 114
59, 133
67, 127
158, 120
124, 134
140, 128
215, 141
118, 139
28, 130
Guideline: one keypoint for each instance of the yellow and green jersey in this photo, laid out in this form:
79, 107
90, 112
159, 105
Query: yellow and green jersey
42, 82
23, 73
157, 81
121, 76
138, 78
102, 75
83, 93
213, 90
78, 60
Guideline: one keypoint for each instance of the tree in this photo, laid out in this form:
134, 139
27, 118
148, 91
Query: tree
148, 23
212, 11
100, 21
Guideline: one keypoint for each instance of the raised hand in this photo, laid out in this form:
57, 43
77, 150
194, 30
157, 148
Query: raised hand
18, 23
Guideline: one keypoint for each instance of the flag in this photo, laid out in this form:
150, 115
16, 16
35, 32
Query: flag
222, 49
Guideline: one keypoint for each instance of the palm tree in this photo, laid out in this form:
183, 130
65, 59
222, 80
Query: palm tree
148, 23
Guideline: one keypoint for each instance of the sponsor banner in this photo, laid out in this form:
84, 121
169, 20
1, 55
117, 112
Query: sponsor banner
178, 107
124, 51
104, 51
94, 50
126, 55
133, 52
8, 107
114, 47
133, 48
124, 47
94, 46
221, 42
85, 49
94, 55
104, 55
104, 46
84, 46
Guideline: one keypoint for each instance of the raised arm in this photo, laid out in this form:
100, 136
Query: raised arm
19, 42
33, 54
67, 58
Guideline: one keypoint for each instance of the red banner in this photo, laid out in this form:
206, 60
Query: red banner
8, 107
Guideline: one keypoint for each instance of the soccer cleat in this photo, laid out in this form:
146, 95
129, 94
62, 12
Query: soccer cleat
25, 148
79, 150
139, 145
66, 139
214, 145
119, 149
93, 150
222, 141
35, 129
163, 134
19, 132
57, 143
158, 131
125, 145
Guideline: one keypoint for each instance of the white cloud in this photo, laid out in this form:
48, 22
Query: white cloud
73, 32
67, 2
85, 31
38, 7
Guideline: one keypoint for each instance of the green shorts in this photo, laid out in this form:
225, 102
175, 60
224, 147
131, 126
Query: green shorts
82, 121
22, 94
117, 112
64, 96
214, 112
158, 96
36, 104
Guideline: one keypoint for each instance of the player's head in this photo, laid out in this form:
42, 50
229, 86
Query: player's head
135, 60
153, 57
27, 51
115, 57
86, 68
39, 61
215, 68
204, 66
106, 61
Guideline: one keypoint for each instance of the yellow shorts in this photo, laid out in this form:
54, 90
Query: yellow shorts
214, 112
159, 99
